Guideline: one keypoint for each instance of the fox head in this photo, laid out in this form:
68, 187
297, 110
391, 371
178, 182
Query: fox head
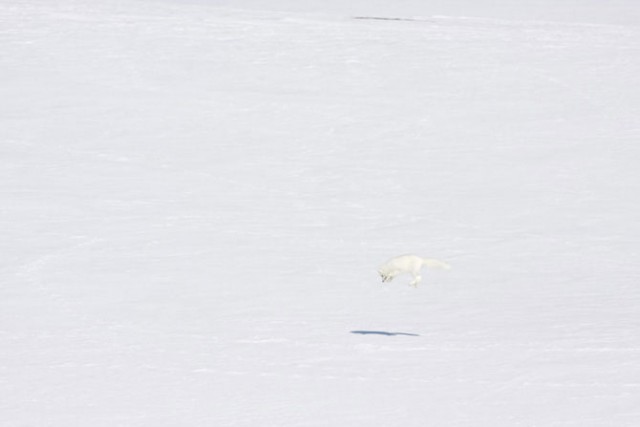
385, 277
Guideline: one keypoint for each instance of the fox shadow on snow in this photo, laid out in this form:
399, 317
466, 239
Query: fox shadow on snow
385, 333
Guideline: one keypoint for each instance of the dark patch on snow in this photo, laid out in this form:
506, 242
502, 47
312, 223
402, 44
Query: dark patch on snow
384, 18
388, 334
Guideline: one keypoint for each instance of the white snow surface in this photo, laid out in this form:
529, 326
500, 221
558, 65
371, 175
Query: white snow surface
196, 197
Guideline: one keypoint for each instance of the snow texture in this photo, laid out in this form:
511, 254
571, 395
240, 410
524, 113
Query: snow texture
195, 199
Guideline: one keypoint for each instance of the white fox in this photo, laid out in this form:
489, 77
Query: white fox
409, 264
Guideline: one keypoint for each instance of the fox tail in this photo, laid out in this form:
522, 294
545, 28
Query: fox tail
434, 263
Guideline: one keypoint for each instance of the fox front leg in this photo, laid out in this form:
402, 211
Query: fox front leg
416, 279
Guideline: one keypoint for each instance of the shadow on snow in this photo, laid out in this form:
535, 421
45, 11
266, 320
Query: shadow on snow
388, 334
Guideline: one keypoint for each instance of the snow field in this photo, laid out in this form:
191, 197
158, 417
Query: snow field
197, 199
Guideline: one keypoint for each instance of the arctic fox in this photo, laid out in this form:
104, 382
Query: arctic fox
408, 264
